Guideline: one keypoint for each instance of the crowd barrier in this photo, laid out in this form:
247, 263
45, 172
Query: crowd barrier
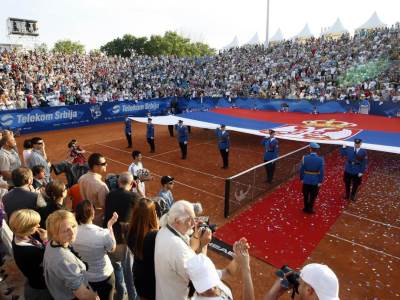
388, 109
60, 117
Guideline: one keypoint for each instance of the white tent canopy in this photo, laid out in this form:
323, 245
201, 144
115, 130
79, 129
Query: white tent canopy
373, 22
277, 37
305, 33
255, 40
233, 44
336, 28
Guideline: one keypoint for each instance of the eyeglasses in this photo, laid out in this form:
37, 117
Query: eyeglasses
102, 164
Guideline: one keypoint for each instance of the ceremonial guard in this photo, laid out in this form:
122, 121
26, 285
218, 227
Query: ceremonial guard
223, 145
271, 152
312, 175
150, 135
183, 138
128, 131
356, 163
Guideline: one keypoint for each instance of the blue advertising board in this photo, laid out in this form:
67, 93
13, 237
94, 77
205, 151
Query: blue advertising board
60, 117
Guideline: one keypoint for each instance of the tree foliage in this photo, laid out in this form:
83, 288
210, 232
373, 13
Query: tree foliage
169, 44
68, 47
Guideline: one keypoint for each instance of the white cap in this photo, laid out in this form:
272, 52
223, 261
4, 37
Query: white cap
322, 279
202, 273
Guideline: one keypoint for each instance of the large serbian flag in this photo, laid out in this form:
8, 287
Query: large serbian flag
378, 133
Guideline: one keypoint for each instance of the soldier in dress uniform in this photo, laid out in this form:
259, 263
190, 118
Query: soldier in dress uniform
223, 145
312, 175
271, 146
356, 163
150, 135
128, 131
183, 138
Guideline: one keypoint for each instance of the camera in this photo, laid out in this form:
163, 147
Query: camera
205, 223
289, 281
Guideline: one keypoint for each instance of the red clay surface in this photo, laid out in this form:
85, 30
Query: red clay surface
362, 247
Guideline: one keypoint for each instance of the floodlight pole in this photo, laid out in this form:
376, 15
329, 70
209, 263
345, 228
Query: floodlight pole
267, 27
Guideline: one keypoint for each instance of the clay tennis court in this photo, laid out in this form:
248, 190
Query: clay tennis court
362, 247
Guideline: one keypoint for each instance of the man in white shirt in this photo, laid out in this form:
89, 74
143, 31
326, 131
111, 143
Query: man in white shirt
135, 166
9, 159
174, 247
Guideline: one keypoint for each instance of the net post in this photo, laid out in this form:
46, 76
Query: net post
227, 194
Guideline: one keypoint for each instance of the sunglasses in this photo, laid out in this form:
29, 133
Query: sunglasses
102, 164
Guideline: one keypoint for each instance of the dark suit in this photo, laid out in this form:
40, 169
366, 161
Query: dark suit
19, 198
121, 202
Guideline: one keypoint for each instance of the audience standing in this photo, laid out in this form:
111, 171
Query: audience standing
92, 244
92, 187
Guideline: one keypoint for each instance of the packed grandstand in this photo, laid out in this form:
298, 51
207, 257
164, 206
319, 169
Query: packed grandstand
156, 244
363, 66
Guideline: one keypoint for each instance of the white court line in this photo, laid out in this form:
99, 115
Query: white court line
176, 150
106, 141
363, 246
165, 162
370, 220
176, 181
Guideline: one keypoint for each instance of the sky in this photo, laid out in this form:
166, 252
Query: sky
215, 22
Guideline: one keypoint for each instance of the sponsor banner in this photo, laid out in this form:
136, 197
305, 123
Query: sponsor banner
60, 117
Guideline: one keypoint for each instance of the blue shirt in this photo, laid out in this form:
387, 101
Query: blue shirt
356, 162
183, 135
128, 127
167, 196
223, 139
150, 131
271, 148
312, 169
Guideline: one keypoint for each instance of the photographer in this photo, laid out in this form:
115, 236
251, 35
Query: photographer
175, 244
315, 282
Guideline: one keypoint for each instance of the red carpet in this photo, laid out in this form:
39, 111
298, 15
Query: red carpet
276, 227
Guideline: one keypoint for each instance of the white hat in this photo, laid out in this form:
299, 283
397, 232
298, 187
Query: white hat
202, 273
322, 279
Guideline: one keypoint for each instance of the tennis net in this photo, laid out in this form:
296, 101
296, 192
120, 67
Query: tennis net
251, 184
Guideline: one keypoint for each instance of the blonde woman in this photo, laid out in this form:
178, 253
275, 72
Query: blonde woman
63, 269
28, 252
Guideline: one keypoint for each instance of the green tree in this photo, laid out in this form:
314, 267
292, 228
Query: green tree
125, 46
68, 47
169, 44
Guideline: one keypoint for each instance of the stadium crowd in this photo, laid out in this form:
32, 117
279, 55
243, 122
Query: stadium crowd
103, 237
312, 69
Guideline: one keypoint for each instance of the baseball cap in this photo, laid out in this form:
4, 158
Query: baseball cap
322, 279
357, 141
202, 273
314, 146
166, 179
180, 121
